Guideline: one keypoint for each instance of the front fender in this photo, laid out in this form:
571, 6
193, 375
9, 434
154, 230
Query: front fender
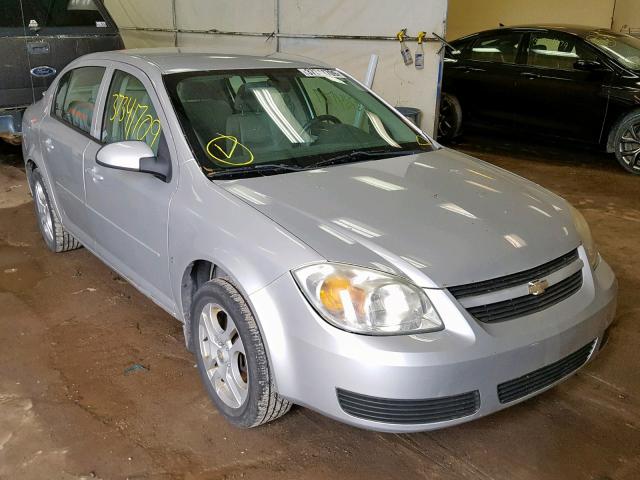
208, 223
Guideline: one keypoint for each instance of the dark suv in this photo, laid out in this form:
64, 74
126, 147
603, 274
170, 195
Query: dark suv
571, 82
37, 39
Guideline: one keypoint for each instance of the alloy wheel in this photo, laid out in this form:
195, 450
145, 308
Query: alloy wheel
223, 355
446, 119
42, 205
629, 146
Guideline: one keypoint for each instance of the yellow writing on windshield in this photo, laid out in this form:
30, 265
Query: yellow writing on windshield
135, 122
224, 148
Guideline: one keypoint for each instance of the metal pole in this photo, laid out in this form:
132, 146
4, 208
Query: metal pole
278, 35
371, 70
175, 23
277, 32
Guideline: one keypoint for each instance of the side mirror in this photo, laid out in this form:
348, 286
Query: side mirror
134, 156
589, 66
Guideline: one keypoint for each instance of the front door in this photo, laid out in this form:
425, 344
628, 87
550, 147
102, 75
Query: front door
129, 210
555, 97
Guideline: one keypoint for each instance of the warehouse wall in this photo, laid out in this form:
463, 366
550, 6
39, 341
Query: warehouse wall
469, 16
627, 15
400, 85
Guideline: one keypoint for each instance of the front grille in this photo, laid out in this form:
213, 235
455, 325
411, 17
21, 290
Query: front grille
527, 304
486, 286
409, 411
543, 377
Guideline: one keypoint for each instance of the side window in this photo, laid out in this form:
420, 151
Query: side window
10, 14
556, 50
500, 48
76, 97
460, 50
130, 114
63, 86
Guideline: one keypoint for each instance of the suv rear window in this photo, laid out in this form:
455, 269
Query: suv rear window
63, 13
10, 14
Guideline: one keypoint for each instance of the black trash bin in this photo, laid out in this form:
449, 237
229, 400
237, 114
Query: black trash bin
412, 114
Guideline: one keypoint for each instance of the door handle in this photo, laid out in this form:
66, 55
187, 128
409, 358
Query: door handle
529, 75
38, 48
95, 176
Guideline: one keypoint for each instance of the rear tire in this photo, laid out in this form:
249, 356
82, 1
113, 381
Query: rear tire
626, 142
53, 233
450, 118
231, 357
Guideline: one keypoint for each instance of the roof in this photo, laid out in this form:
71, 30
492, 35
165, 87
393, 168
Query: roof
182, 59
579, 30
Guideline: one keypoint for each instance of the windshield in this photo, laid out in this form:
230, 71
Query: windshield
285, 120
623, 48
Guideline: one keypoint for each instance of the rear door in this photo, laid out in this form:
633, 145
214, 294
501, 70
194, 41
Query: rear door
554, 97
59, 31
483, 77
129, 211
66, 136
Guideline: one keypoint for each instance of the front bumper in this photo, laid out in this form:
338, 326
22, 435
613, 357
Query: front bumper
312, 360
11, 125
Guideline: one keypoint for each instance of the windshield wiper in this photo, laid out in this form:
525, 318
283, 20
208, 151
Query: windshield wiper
261, 169
357, 155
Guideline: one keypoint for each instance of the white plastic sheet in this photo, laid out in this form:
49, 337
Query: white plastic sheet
399, 84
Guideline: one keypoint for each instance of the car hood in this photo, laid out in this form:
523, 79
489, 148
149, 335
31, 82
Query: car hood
440, 218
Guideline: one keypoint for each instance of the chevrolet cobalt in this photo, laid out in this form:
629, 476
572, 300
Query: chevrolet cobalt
318, 248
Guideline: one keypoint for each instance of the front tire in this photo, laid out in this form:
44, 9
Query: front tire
53, 233
626, 142
450, 118
231, 357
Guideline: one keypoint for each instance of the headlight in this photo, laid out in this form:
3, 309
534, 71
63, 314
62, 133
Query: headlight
367, 301
587, 240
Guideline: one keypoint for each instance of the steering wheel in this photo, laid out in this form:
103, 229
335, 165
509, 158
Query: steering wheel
316, 121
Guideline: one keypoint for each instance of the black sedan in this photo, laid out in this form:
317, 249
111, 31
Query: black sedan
565, 81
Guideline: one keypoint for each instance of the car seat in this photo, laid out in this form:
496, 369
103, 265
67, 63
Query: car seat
207, 107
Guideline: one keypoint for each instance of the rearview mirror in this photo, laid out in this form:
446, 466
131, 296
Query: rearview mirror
589, 65
134, 156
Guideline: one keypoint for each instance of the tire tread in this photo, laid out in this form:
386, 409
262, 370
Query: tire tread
270, 405
62, 239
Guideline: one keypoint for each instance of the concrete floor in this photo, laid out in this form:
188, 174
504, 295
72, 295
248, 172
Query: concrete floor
69, 327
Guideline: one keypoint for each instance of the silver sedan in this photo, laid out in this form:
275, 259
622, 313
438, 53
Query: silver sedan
318, 248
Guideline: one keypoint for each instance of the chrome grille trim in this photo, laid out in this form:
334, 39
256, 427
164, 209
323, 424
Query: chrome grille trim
528, 304
499, 283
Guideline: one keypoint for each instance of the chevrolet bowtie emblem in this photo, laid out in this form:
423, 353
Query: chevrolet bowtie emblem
538, 287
